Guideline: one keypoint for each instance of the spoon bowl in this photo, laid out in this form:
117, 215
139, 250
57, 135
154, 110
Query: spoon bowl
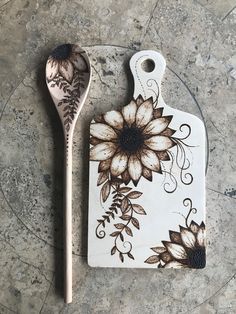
68, 77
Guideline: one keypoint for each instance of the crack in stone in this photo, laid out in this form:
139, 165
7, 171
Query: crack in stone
35, 267
99, 76
29, 230
150, 18
221, 193
46, 295
216, 128
26, 263
8, 308
29, 86
227, 14
214, 294
201, 113
4, 4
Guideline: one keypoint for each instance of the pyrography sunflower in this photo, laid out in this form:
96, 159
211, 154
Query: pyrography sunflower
186, 249
131, 143
63, 60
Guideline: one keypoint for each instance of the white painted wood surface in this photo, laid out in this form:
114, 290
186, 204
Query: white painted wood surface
173, 197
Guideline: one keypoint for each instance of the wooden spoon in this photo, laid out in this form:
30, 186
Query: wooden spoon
68, 76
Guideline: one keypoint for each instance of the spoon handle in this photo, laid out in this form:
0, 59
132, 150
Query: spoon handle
68, 220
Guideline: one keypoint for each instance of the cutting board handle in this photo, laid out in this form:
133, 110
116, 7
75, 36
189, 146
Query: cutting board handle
148, 68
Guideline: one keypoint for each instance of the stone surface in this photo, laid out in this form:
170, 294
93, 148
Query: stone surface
198, 40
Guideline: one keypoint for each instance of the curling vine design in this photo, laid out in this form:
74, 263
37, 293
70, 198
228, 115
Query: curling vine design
124, 208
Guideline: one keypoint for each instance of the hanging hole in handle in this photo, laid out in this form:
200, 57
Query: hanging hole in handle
148, 65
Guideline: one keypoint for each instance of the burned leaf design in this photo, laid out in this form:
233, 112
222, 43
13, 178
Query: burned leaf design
139, 209
70, 102
113, 250
105, 191
114, 234
102, 177
60, 82
128, 230
134, 194
119, 226
109, 214
135, 222
125, 189
130, 255
121, 256
121, 208
124, 229
124, 206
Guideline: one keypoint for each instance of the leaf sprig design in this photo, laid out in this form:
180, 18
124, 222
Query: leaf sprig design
61, 83
70, 102
109, 214
123, 229
123, 207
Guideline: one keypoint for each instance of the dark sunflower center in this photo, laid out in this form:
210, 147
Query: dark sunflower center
197, 257
131, 139
62, 52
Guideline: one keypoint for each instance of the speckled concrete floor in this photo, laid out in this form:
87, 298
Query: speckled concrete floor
198, 39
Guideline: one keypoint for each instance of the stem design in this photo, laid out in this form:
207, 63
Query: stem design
122, 208
188, 203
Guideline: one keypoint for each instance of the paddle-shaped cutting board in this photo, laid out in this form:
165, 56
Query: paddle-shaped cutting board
147, 180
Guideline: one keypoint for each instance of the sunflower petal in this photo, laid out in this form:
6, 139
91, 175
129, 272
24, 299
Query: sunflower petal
139, 100
147, 173
66, 70
144, 113
175, 237
159, 143
134, 168
150, 160
102, 131
194, 226
79, 62
159, 249
163, 155
94, 141
114, 118
129, 112
51, 69
174, 264
187, 237
102, 151
77, 49
125, 177
168, 132
156, 126
99, 118
104, 165
201, 236
152, 259
176, 250
166, 257
119, 164
157, 113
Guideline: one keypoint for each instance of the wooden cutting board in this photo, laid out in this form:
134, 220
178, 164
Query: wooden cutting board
147, 179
